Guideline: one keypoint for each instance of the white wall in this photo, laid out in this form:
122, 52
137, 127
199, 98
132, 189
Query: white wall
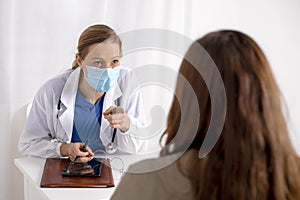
5, 82
275, 26
38, 40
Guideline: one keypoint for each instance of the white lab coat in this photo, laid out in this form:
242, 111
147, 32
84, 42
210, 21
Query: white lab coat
44, 133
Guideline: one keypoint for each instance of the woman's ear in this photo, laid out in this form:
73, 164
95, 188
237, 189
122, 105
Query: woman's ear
79, 60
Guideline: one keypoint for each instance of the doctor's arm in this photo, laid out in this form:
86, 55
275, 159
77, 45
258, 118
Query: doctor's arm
132, 140
38, 140
37, 137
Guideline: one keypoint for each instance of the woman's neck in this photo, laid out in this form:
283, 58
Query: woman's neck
89, 93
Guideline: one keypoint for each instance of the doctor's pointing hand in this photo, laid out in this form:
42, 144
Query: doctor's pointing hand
117, 118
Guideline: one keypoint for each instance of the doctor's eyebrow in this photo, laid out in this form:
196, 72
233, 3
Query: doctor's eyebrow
98, 58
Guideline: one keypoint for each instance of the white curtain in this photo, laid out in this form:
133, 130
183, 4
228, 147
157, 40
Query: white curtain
38, 40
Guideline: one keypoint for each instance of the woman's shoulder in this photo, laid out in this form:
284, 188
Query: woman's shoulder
165, 170
161, 175
154, 164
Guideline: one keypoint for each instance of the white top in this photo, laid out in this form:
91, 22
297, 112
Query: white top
44, 133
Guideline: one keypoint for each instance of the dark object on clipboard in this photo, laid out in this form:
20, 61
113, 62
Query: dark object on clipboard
91, 168
78, 169
52, 176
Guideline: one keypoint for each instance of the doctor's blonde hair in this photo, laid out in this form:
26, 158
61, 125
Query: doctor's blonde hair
92, 35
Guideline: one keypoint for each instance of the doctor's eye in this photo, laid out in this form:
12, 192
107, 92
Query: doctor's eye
98, 64
115, 62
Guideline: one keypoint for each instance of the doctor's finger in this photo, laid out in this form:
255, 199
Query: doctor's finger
110, 110
83, 159
113, 117
118, 116
121, 126
74, 149
72, 158
89, 150
118, 110
114, 110
108, 117
117, 120
82, 153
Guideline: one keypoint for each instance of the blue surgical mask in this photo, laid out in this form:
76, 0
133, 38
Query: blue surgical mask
102, 79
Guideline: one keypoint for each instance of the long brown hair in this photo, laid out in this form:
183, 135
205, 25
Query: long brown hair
253, 158
92, 35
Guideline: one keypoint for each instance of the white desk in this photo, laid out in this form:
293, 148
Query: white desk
32, 169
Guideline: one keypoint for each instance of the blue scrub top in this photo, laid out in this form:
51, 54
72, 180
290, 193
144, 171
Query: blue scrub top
87, 122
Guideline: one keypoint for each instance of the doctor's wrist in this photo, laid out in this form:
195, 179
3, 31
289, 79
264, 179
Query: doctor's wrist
126, 125
65, 149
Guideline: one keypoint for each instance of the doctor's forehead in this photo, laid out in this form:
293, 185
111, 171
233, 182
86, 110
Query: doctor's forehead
104, 50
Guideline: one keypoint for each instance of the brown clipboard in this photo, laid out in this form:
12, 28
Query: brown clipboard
52, 176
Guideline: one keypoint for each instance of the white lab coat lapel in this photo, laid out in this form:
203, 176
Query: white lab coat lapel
109, 100
68, 98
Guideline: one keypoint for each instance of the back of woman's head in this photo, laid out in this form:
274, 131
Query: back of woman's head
253, 158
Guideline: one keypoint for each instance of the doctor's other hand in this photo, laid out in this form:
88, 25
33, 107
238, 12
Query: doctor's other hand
117, 118
74, 151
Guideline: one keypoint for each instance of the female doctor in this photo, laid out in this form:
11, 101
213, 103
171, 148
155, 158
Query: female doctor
86, 103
